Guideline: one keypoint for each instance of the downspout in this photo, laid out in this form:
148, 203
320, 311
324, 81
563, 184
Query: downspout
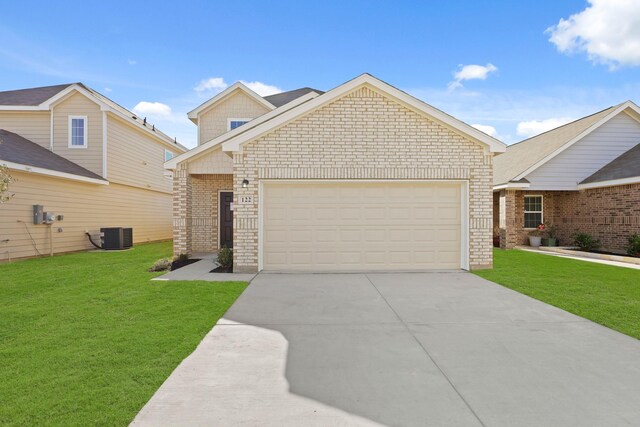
51, 132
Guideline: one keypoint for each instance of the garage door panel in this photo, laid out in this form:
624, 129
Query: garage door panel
335, 226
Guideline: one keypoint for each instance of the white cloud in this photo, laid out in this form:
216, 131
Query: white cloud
535, 127
214, 84
489, 130
132, 61
152, 109
262, 89
608, 31
108, 89
217, 84
471, 72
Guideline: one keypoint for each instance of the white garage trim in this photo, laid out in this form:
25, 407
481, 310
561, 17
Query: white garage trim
464, 209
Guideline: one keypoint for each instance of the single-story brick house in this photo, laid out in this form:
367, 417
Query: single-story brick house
581, 177
362, 177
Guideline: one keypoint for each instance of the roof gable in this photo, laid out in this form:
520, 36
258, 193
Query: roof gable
46, 97
387, 90
238, 86
523, 158
217, 141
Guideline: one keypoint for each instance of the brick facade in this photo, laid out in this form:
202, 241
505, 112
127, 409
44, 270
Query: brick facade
610, 214
362, 135
182, 210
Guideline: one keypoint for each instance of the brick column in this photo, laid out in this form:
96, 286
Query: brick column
245, 215
508, 231
181, 210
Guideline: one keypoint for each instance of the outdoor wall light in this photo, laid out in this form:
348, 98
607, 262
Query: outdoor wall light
245, 183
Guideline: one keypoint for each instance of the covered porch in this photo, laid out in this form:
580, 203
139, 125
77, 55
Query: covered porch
203, 204
610, 214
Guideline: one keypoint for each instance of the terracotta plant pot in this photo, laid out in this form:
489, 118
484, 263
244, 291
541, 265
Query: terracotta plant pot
535, 241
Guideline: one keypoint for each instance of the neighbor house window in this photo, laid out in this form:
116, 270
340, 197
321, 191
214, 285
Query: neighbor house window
533, 211
77, 131
168, 155
234, 123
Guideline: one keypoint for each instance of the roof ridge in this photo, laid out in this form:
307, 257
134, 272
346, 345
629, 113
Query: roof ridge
566, 124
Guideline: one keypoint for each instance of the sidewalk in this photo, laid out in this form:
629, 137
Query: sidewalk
201, 271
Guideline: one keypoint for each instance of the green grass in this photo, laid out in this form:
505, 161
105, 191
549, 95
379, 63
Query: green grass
602, 293
86, 339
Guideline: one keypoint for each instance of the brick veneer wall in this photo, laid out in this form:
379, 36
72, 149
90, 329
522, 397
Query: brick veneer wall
204, 210
362, 135
181, 210
610, 214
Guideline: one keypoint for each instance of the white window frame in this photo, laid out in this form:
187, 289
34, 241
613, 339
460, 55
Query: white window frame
541, 211
236, 120
165, 155
86, 125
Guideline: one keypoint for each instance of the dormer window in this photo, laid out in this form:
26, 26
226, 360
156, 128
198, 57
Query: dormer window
234, 123
77, 131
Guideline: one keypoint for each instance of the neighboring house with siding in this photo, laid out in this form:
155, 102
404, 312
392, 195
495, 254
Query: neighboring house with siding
82, 156
581, 177
362, 177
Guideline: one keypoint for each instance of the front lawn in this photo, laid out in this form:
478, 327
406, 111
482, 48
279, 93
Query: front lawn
602, 293
87, 338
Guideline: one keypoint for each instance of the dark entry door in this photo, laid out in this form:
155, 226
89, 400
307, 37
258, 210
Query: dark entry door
226, 219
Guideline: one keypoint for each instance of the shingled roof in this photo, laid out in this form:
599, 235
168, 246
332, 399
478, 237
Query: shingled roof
282, 98
627, 165
32, 96
17, 149
521, 156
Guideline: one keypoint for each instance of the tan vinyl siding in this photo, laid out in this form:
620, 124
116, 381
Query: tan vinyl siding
79, 105
215, 162
33, 125
134, 158
85, 207
238, 105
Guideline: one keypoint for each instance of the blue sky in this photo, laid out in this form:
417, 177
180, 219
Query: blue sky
526, 78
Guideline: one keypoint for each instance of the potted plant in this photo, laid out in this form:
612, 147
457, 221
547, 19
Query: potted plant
535, 236
551, 235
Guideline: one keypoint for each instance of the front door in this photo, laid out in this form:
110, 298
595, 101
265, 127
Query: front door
226, 219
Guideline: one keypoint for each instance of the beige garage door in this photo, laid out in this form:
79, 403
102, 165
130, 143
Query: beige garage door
351, 226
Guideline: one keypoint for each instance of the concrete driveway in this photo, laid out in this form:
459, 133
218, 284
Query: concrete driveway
406, 349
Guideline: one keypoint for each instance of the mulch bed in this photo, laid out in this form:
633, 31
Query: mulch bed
179, 264
221, 269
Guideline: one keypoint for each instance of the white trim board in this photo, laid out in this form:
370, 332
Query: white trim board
492, 144
621, 108
50, 172
85, 136
464, 212
610, 183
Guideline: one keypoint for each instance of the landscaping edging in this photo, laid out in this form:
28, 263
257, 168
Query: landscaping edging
567, 250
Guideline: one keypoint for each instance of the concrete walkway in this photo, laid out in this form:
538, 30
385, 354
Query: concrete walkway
414, 349
201, 270
579, 258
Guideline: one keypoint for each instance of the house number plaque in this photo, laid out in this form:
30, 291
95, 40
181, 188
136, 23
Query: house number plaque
245, 199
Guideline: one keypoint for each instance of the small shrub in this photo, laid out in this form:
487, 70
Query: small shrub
551, 231
633, 248
162, 264
182, 257
225, 257
585, 241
